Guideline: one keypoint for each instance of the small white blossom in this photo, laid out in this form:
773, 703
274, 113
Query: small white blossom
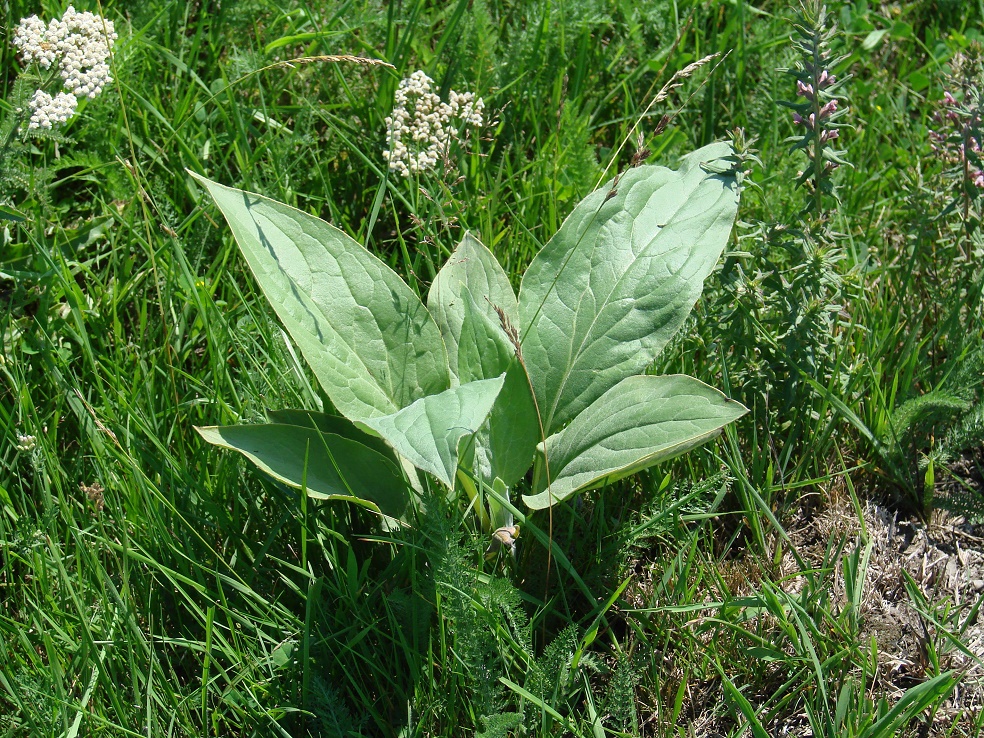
422, 128
26, 442
31, 37
48, 111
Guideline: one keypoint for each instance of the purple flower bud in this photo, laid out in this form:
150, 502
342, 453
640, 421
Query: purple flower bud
804, 90
825, 79
949, 99
979, 178
830, 107
829, 135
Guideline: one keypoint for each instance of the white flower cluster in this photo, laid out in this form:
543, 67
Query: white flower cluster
48, 111
422, 127
79, 44
26, 442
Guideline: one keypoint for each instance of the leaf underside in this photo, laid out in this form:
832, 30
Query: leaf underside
429, 431
325, 465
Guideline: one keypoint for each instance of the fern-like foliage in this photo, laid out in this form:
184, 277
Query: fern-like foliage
500, 725
936, 429
620, 697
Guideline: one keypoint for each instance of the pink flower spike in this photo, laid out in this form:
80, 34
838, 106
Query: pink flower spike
804, 90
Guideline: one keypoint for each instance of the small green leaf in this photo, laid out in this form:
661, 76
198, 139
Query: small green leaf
472, 267
873, 39
429, 431
366, 335
639, 422
329, 466
619, 278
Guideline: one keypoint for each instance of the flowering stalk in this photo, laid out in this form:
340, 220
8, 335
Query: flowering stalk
956, 138
819, 104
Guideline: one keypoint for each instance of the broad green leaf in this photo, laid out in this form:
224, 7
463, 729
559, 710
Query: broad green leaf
428, 432
334, 424
639, 422
366, 335
505, 445
619, 278
329, 466
474, 267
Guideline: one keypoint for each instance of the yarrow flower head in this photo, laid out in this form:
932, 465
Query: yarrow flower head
31, 37
48, 111
26, 442
78, 45
422, 127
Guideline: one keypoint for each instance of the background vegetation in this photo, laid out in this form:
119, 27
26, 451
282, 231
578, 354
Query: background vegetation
150, 585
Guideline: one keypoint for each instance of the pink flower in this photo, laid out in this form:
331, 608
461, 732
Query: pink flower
808, 122
830, 107
949, 99
825, 79
804, 90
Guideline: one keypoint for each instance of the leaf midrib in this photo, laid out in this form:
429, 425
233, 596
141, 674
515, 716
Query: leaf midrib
588, 332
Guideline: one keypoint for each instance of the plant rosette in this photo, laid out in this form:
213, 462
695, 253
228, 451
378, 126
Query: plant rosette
476, 387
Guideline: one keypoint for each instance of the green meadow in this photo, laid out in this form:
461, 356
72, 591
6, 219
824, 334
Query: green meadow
811, 567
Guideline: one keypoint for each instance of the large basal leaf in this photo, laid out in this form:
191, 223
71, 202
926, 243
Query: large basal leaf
368, 338
428, 432
474, 267
618, 279
505, 445
327, 465
334, 424
639, 422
